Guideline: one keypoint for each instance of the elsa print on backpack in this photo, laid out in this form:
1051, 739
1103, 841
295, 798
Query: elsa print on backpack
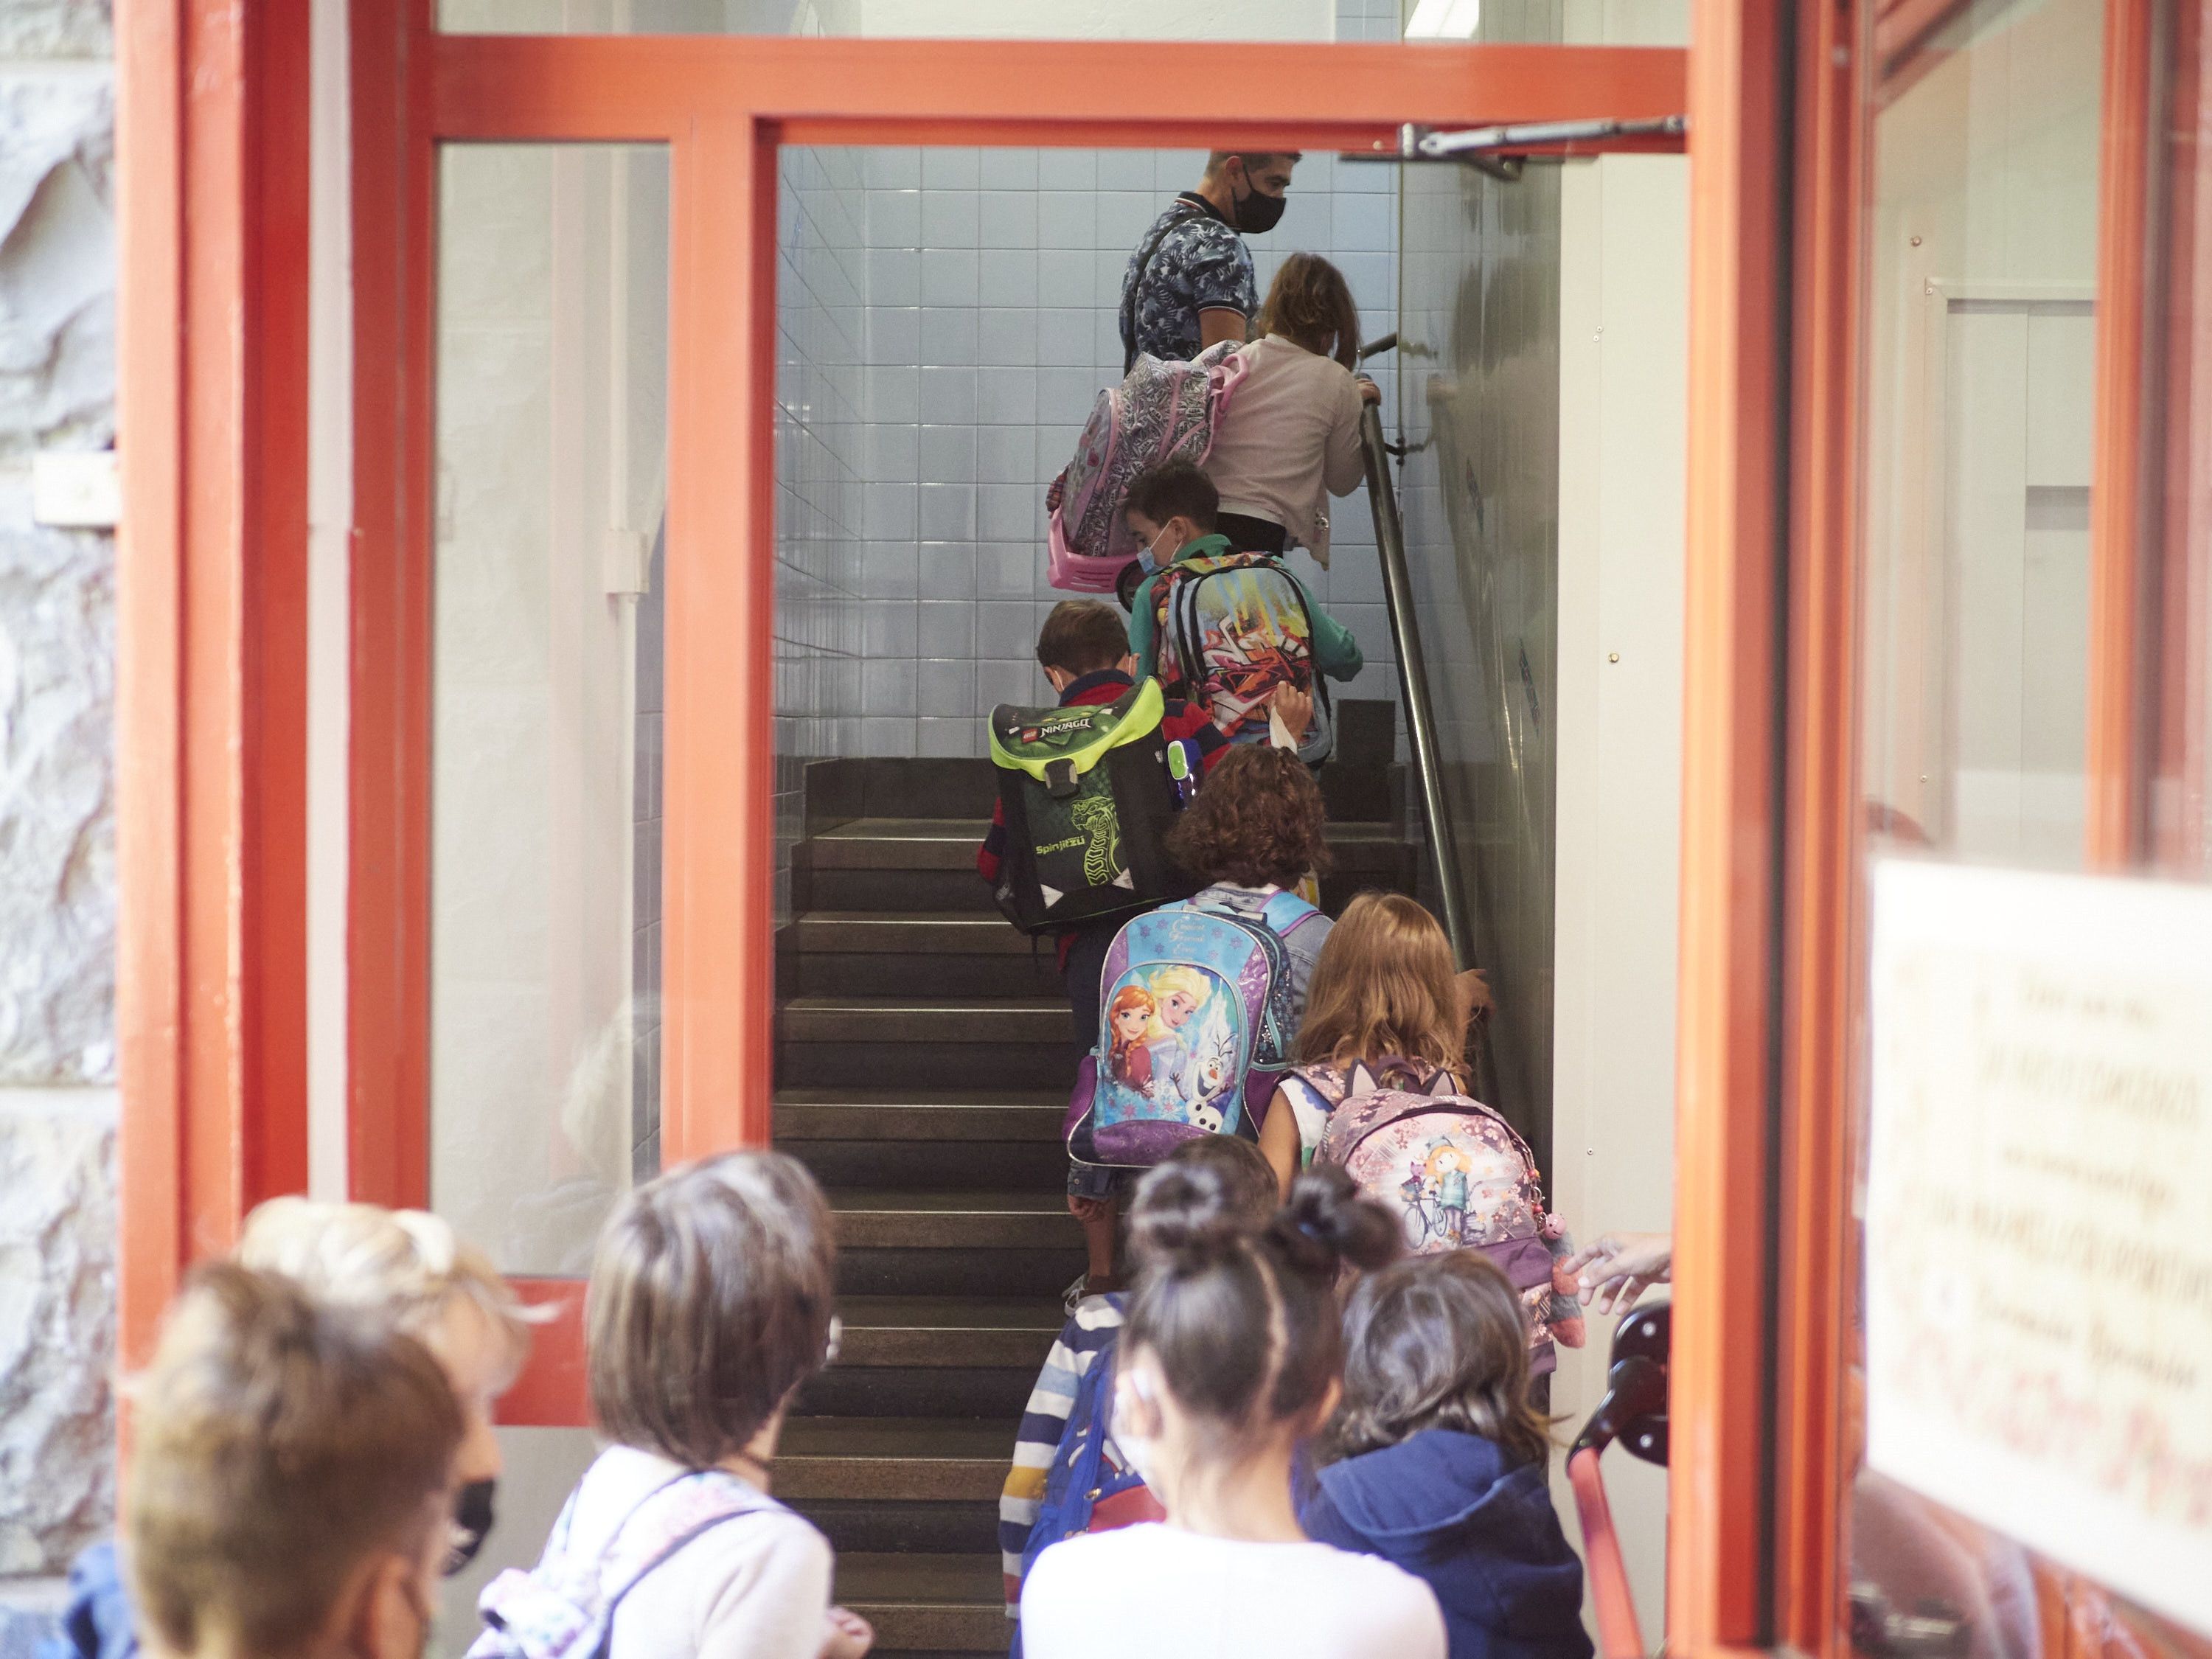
1194, 997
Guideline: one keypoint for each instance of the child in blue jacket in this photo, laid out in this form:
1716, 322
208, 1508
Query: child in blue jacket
1440, 1460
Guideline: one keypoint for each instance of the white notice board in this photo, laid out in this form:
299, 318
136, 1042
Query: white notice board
2038, 1215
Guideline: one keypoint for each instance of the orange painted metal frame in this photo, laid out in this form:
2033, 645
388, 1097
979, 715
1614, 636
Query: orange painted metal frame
1720, 1518
211, 634
723, 106
2124, 483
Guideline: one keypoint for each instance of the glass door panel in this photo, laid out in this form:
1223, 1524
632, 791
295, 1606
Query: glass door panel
1983, 647
551, 418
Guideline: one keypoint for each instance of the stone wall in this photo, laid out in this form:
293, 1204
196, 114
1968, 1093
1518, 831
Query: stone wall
57, 795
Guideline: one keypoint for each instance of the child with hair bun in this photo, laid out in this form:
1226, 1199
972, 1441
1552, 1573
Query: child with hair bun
1229, 1360
1440, 1460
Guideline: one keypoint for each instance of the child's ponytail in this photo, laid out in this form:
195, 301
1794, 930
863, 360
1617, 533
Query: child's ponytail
1243, 1318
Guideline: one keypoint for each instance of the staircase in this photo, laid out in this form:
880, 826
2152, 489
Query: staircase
923, 1062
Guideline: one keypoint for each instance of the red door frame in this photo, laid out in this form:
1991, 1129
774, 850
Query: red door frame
723, 106
211, 632
213, 1111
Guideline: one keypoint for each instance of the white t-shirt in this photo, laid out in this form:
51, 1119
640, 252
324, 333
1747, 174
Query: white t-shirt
756, 1587
1162, 1593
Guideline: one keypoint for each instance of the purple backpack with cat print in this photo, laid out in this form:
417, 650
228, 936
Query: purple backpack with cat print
1161, 411
1459, 1177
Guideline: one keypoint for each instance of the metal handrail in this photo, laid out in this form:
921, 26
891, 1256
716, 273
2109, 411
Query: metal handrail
1412, 682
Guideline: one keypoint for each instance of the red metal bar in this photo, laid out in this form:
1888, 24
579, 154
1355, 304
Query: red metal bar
1822, 949
1024, 92
2121, 507
1720, 1416
211, 632
388, 846
1618, 1634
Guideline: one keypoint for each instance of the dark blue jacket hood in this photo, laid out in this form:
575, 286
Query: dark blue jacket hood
1453, 1510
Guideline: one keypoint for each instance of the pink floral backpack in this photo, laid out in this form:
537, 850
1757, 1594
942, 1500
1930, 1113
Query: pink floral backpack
1161, 411
1459, 1177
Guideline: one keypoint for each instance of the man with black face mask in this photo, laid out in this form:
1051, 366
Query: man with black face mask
1189, 282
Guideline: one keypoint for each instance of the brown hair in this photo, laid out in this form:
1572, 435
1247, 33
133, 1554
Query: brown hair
1310, 304
1438, 1342
408, 1264
1081, 636
1257, 821
1248, 1187
709, 1302
1383, 985
277, 1443
1174, 490
1241, 1312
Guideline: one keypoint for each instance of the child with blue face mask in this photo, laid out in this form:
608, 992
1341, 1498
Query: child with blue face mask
1229, 1360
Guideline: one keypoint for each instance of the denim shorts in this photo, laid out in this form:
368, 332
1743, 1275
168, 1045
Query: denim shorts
1100, 1181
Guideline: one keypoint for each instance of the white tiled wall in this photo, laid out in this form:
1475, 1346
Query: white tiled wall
987, 295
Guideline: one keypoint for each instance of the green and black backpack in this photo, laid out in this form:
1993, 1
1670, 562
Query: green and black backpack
1087, 801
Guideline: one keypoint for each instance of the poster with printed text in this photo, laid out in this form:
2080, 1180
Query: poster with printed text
2038, 1215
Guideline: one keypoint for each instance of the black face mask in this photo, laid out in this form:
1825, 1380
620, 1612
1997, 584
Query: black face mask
471, 1522
1255, 210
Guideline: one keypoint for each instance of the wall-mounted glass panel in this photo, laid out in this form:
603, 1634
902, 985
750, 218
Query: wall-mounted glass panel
551, 400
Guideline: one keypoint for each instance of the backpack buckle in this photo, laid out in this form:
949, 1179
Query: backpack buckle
1060, 781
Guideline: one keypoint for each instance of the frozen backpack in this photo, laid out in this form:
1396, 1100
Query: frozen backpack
1459, 1177
1087, 794
1232, 627
1195, 998
1161, 411
564, 1607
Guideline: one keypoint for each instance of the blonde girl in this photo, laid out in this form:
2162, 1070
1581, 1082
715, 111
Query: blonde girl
1384, 994
410, 1267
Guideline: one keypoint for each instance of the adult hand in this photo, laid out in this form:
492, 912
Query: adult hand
1296, 706
849, 1636
1369, 392
1620, 1266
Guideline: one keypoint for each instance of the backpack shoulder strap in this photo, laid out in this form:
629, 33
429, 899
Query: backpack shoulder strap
1285, 912
665, 1521
1137, 287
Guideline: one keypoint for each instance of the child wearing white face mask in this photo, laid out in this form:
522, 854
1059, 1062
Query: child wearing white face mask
1229, 1359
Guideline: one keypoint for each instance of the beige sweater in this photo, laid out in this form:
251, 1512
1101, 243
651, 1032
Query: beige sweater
1288, 440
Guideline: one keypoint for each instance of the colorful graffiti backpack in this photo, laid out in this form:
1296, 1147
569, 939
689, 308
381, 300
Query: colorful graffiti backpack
1461, 1177
1195, 1000
1232, 627
1087, 794
1161, 411
564, 1607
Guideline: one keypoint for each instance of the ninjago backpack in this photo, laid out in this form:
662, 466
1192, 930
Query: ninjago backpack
1459, 1177
1195, 1005
1232, 627
1087, 797
1161, 411
564, 1607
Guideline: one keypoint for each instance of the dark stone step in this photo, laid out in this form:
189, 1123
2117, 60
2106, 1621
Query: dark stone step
961, 1272
892, 1460
946, 1331
1023, 1166
896, 890
956, 1220
804, 1115
995, 1394
880, 787
937, 1604
974, 955
918, 1020
905, 843
1046, 1067
860, 1526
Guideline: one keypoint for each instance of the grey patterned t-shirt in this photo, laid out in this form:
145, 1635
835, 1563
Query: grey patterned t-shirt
1201, 264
